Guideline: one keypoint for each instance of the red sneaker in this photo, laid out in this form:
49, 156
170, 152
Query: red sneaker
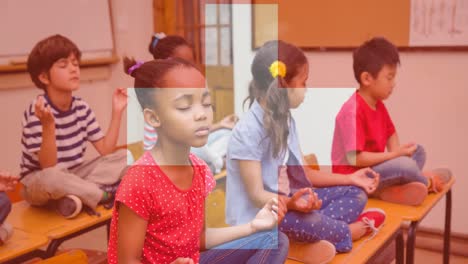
373, 218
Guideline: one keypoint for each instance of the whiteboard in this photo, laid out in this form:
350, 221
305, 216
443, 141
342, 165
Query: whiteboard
439, 23
25, 22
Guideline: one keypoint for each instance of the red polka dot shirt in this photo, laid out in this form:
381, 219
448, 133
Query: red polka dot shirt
175, 217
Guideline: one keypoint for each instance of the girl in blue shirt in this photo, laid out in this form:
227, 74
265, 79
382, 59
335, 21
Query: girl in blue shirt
264, 160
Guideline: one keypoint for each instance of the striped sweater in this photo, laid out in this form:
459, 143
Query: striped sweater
72, 129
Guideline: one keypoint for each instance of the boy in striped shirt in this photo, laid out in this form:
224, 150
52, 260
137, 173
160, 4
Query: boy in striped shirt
56, 127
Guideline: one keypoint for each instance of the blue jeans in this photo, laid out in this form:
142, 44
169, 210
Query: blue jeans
262, 247
5, 207
402, 170
341, 205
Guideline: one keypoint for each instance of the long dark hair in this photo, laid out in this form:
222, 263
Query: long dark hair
265, 86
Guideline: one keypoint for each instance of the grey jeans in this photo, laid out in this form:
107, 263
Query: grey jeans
84, 181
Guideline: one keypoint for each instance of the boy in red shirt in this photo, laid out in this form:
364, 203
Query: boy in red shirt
364, 129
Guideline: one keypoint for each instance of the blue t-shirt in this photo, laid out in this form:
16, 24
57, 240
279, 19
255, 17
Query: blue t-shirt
249, 141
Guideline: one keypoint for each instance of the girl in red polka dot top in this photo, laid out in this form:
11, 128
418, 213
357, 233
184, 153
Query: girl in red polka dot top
159, 212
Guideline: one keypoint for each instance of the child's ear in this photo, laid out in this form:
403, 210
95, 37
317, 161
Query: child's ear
151, 118
366, 78
44, 78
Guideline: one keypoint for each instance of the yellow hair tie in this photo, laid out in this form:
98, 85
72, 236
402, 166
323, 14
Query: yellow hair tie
278, 68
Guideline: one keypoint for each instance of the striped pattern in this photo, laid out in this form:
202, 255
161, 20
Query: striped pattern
149, 137
73, 128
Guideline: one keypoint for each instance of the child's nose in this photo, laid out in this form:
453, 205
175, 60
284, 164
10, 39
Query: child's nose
200, 114
74, 67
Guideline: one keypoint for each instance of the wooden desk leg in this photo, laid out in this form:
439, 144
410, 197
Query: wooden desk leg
411, 242
55, 243
400, 248
448, 218
52, 248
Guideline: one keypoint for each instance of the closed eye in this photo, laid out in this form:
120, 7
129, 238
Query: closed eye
183, 109
206, 99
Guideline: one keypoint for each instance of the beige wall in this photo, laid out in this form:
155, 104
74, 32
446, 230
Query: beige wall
428, 106
133, 26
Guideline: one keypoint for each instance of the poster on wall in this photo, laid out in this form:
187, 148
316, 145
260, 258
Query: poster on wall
439, 23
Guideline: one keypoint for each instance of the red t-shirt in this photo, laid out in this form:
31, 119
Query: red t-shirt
175, 217
358, 127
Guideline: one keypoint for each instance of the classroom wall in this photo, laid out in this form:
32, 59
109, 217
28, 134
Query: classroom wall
133, 26
428, 106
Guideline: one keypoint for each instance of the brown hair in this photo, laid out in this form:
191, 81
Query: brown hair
150, 76
46, 52
372, 55
164, 48
264, 86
